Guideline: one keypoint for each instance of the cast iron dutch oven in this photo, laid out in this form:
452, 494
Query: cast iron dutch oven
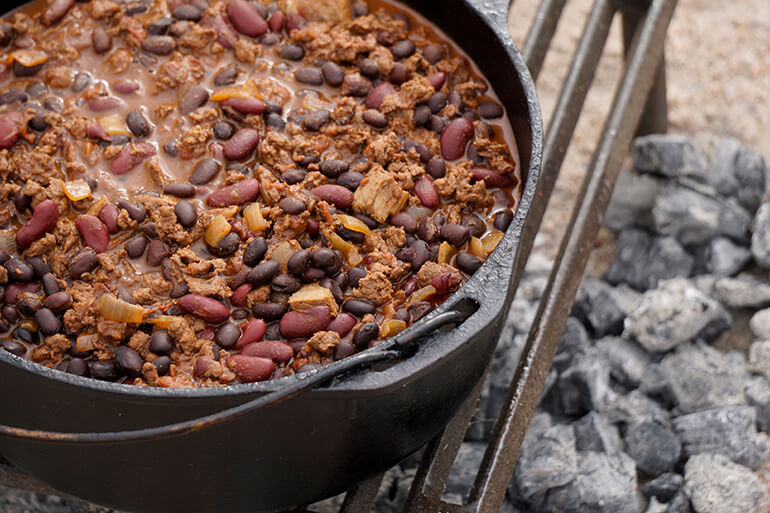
274, 445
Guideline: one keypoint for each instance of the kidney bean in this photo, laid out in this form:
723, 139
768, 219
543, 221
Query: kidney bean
194, 97
342, 324
138, 124
491, 178
19, 270
43, 220
295, 21
246, 105
203, 307
264, 273
350, 180
365, 334
186, 214
255, 251
83, 262
375, 118
236, 194
426, 192
337, 195
403, 49
250, 369
455, 234
93, 232
455, 138
10, 125
28, 304
202, 365
437, 80
97, 131
161, 343
503, 220
276, 21
179, 190
445, 282
304, 324
226, 36
376, 95
159, 45
14, 347
239, 294
271, 349
131, 156
108, 215
156, 251
333, 74
137, 211
105, 103
135, 246
245, 18
55, 11
241, 144
358, 307
312, 228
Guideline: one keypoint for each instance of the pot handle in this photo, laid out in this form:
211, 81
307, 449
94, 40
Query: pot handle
392, 349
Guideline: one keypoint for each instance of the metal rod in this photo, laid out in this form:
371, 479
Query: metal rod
360, 499
500, 458
541, 33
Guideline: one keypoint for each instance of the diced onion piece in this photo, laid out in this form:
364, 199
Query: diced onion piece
249, 89
162, 321
86, 342
253, 215
348, 249
391, 327
353, 224
28, 324
8, 240
476, 248
114, 309
229, 212
217, 228
491, 240
445, 252
422, 294
113, 125
28, 58
77, 190
283, 252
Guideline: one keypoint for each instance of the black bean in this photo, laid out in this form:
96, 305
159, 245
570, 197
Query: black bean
356, 85
421, 254
14, 347
28, 304
375, 118
503, 220
455, 234
104, 370
205, 171
285, 284
36, 89
367, 333
10, 314
270, 39
354, 275
368, 221
297, 116
227, 335
292, 52
275, 120
50, 285
334, 288
186, 214
135, 246
178, 290
137, 211
358, 307
19, 270
437, 123
323, 257
312, 274
427, 230
179, 190
227, 76
369, 68
350, 180
298, 261
419, 309
13, 97
475, 224
333, 74
120, 140
25, 335
490, 110
6, 34
157, 250
359, 8
40, 266
58, 301
128, 360
159, 27
158, 45
422, 115
255, 251
344, 349
54, 104
269, 312
4, 256
47, 321
21, 70
161, 343
187, 13
169, 147
38, 122
78, 367
80, 82
433, 53
436, 168
468, 263
150, 231
399, 74
138, 124
223, 130
162, 365
226, 246
403, 49
264, 272
333, 168
470, 115
311, 76
193, 98
315, 120
21, 201
437, 102
350, 235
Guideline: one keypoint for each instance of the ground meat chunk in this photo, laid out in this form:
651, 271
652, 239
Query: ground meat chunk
430, 270
180, 330
458, 184
311, 295
497, 155
52, 350
82, 314
192, 143
215, 286
375, 287
414, 91
331, 11
140, 342
379, 196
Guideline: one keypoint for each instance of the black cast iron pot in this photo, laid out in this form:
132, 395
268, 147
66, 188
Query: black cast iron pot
281, 443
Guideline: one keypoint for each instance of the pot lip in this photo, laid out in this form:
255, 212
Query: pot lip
512, 235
